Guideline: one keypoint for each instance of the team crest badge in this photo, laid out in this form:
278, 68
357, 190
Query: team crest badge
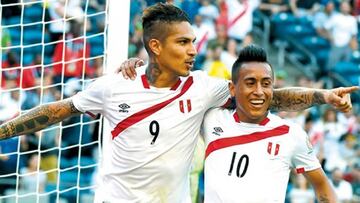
273, 149
185, 106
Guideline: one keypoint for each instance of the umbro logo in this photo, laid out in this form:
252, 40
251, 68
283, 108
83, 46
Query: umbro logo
217, 131
124, 107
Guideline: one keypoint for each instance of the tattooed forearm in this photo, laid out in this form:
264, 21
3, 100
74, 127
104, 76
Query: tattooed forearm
153, 72
318, 98
296, 99
38, 118
323, 199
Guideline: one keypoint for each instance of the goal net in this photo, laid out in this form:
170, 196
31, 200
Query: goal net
49, 51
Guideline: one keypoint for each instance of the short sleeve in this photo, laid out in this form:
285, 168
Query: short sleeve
304, 157
217, 90
92, 99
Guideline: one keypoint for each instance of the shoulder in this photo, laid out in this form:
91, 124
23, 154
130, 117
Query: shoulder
217, 114
198, 74
203, 77
294, 128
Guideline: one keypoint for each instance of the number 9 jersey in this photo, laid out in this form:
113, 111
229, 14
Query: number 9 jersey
154, 131
251, 163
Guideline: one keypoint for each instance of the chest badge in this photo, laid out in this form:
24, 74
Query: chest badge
185, 106
273, 149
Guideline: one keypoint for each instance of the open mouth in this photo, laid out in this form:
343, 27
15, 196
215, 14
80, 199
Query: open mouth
190, 64
257, 102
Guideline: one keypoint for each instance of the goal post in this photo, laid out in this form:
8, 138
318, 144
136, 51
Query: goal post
45, 58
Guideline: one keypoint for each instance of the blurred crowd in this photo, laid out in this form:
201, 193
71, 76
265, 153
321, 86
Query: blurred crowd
68, 54
50, 49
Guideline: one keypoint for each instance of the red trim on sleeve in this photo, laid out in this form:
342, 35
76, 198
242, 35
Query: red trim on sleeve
133, 119
300, 170
245, 139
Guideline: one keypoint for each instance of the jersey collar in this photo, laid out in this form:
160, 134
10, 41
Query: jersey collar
263, 122
146, 84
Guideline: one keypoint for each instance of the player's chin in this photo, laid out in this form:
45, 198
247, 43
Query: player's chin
184, 73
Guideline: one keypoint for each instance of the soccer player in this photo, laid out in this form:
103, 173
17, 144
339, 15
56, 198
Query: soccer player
156, 118
249, 151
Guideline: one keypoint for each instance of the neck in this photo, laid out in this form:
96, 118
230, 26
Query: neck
247, 119
158, 77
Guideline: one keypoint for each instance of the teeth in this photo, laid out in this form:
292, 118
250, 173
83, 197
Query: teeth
257, 101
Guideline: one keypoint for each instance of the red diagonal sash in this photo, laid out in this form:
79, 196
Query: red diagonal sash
131, 120
244, 139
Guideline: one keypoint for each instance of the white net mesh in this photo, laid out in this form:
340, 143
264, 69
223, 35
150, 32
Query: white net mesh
49, 51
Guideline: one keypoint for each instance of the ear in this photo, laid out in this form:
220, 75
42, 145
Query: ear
155, 46
232, 89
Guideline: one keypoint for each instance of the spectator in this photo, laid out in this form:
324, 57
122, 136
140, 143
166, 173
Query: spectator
191, 7
343, 32
5, 38
304, 8
209, 12
321, 18
240, 19
346, 148
342, 188
203, 32
333, 130
271, 7
72, 62
301, 192
58, 13
32, 179
229, 54
214, 66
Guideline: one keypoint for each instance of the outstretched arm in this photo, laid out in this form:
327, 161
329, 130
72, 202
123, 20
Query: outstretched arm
321, 185
38, 118
298, 98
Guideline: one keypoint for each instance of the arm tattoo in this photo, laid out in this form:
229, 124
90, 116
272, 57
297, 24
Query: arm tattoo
323, 199
296, 99
38, 118
153, 72
318, 98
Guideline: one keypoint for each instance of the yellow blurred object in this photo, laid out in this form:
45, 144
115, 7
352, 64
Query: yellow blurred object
219, 69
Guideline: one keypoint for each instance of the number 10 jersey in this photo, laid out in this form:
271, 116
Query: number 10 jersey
251, 162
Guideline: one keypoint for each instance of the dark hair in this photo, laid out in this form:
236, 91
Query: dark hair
156, 16
250, 53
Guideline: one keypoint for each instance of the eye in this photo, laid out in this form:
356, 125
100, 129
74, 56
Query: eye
250, 83
182, 42
267, 84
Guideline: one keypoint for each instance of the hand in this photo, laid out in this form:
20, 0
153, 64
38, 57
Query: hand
340, 98
127, 68
4, 157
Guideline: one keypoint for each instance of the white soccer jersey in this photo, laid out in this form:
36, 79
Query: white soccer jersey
148, 155
251, 162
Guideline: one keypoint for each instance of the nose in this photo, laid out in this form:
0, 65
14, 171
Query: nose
192, 50
258, 90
